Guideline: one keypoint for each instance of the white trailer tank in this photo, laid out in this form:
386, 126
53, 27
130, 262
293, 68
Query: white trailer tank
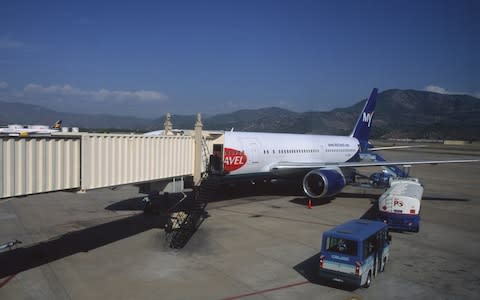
399, 206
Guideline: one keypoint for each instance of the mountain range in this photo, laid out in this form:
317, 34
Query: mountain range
399, 114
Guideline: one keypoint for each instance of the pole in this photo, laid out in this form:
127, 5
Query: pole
197, 162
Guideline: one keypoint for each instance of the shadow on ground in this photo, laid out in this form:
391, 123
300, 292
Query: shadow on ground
371, 213
309, 270
309, 267
319, 202
374, 197
431, 198
233, 190
25, 258
132, 204
163, 202
314, 202
225, 191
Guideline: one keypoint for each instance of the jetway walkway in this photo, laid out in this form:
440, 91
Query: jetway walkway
85, 161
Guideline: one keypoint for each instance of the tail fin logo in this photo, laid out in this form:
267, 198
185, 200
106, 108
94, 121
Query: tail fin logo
367, 118
361, 131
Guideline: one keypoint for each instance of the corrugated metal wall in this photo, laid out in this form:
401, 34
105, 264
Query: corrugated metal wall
38, 165
110, 160
89, 161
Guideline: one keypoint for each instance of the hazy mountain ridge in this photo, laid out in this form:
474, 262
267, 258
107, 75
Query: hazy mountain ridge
399, 114
21, 113
418, 114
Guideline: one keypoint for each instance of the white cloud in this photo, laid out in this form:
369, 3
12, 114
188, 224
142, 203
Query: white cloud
435, 89
3, 85
72, 99
68, 92
441, 90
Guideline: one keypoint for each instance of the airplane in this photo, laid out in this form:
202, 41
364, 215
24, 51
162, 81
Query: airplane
327, 163
168, 132
25, 130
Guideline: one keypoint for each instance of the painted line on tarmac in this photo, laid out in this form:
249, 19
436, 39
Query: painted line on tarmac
3, 283
268, 290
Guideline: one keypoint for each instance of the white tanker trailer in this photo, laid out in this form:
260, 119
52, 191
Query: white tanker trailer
399, 206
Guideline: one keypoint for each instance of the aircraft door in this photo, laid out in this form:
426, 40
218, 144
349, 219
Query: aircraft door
216, 160
251, 147
321, 154
252, 150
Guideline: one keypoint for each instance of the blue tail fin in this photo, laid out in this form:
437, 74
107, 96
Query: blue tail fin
362, 129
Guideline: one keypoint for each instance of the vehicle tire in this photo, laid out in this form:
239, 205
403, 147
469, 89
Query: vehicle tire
369, 280
168, 226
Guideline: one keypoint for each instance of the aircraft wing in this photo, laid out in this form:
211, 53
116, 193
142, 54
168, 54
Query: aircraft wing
396, 147
310, 166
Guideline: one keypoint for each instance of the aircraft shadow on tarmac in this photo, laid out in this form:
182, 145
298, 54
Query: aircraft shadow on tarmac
25, 258
228, 191
428, 198
132, 204
136, 204
303, 201
223, 192
323, 201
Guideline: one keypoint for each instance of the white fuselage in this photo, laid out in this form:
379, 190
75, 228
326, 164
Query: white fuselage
261, 151
15, 130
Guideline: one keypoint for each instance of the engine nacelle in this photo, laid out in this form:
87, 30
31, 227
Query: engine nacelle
321, 183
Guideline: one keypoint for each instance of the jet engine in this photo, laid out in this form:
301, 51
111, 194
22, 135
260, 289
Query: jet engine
321, 183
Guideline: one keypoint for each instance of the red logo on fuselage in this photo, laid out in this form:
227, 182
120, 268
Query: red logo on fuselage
233, 159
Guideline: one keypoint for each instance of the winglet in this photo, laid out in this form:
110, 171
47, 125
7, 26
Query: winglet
362, 128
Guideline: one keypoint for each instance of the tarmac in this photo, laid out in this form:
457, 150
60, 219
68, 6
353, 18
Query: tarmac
258, 243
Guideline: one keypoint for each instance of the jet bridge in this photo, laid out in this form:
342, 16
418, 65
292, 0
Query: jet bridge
85, 161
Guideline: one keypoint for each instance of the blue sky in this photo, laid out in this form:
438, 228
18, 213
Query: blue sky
145, 58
